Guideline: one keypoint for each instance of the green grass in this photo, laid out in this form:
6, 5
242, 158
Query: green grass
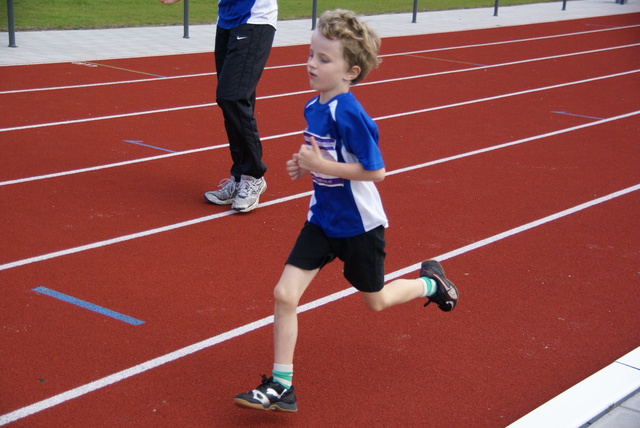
79, 14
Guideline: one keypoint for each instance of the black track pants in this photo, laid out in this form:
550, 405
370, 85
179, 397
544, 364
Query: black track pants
241, 54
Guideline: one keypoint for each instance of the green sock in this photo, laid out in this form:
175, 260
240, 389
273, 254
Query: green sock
430, 286
283, 374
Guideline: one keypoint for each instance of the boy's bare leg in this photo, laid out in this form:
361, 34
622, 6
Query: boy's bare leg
394, 293
287, 293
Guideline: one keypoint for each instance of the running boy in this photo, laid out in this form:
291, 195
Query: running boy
346, 218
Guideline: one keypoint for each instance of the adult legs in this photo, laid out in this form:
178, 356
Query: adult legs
241, 54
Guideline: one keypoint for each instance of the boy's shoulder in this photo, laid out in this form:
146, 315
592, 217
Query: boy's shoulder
349, 109
340, 105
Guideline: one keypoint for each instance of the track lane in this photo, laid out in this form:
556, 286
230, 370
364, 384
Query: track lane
388, 351
438, 86
66, 220
489, 204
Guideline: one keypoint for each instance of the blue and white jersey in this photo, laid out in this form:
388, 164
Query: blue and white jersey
344, 133
232, 13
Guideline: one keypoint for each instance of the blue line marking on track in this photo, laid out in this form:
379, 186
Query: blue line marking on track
578, 115
146, 145
87, 305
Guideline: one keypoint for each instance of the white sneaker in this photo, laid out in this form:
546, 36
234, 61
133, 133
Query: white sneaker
249, 191
226, 194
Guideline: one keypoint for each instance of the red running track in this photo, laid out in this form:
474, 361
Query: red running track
531, 130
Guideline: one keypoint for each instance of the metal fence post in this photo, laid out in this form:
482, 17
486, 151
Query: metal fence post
495, 8
415, 12
11, 25
314, 14
564, 4
186, 19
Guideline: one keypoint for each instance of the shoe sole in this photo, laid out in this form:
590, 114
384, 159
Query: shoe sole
257, 406
253, 205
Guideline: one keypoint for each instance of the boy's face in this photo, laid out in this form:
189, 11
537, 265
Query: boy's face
328, 71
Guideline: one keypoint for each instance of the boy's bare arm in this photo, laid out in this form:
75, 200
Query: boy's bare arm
310, 158
169, 1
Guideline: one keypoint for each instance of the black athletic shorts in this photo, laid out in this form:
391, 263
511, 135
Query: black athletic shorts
363, 255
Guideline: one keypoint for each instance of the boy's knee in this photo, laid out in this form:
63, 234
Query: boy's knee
283, 296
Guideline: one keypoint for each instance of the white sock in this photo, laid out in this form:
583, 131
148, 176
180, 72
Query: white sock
430, 287
283, 374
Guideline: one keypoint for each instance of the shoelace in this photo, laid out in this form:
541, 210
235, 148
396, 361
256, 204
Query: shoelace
224, 182
265, 379
245, 188
226, 186
275, 386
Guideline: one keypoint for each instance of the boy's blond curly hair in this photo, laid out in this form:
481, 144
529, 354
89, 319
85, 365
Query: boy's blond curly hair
360, 44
